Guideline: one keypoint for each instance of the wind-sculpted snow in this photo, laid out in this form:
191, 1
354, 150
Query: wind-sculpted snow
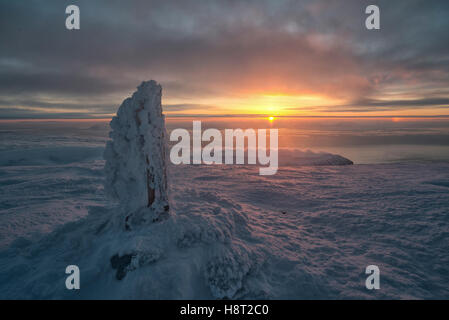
135, 157
185, 249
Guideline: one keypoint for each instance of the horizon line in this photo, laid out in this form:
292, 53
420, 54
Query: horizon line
234, 116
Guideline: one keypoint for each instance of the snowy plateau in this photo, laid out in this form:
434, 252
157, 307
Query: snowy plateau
139, 229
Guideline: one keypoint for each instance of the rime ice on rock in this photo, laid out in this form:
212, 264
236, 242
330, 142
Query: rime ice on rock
135, 157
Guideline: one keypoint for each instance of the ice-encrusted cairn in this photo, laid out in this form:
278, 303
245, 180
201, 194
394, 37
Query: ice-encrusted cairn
135, 157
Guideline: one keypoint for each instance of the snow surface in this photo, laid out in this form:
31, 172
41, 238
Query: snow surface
307, 232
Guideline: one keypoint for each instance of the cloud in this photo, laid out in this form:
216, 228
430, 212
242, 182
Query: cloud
183, 107
372, 105
221, 49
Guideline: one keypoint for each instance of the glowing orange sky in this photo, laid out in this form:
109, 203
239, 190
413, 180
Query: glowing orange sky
278, 58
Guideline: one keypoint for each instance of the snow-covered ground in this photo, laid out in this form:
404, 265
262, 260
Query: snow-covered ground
306, 232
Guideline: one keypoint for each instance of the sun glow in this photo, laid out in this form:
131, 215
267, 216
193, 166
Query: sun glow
256, 103
281, 104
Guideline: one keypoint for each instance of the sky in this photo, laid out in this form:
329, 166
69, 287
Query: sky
280, 58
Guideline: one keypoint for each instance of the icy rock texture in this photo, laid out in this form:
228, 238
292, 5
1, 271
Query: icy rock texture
135, 157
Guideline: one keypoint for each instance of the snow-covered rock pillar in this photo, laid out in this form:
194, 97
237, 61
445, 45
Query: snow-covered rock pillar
135, 157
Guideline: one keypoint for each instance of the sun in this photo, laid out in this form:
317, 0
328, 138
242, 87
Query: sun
271, 118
